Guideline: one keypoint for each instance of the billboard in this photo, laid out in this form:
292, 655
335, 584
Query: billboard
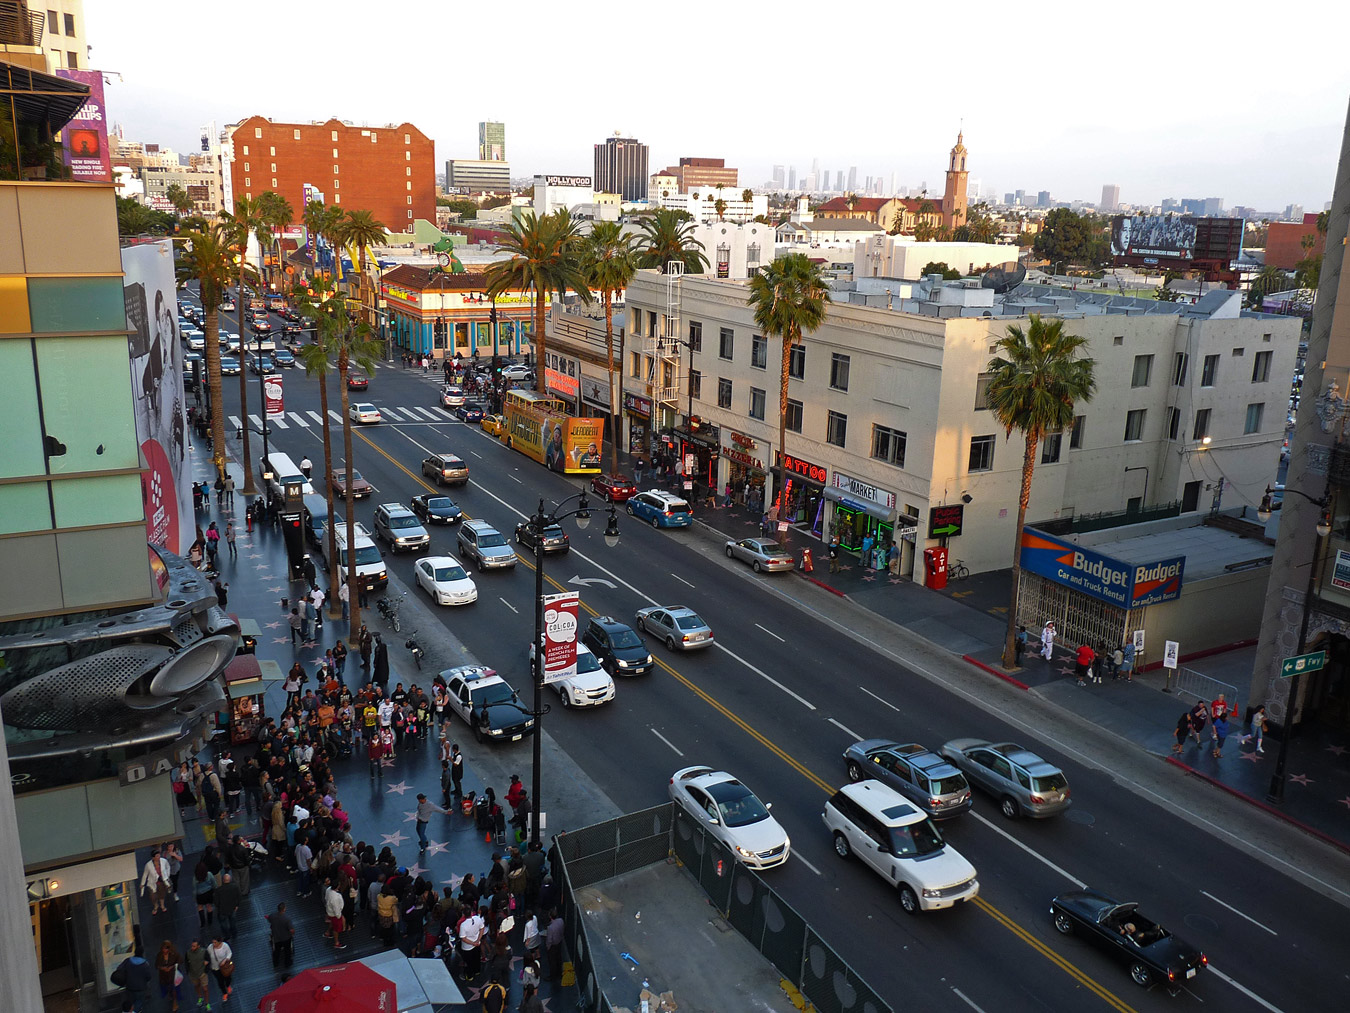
157, 383
1125, 585
273, 395
560, 635
1167, 236
85, 137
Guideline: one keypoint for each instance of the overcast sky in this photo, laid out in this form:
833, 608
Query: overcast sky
1194, 98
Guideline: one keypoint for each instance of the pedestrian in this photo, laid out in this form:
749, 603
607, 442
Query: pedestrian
220, 958
194, 968
1127, 660
375, 753
343, 597
364, 642
425, 808
893, 559
240, 858
637, 471
867, 543
381, 662
318, 597
297, 624
227, 905
553, 940
304, 858
222, 592
229, 491
834, 553
306, 466
1019, 644
229, 540
529, 997
175, 859
1256, 728
1218, 733
457, 769
249, 511
332, 909
220, 493
1048, 639
309, 619
1082, 665
1118, 663
196, 498
135, 975
471, 931
282, 934
155, 880
1220, 708
339, 658
212, 543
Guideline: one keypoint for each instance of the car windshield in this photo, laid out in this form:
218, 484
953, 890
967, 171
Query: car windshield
1049, 782
367, 554
491, 541
625, 638
587, 662
450, 573
440, 503
403, 521
355, 476
498, 692
922, 838
690, 622
737, 804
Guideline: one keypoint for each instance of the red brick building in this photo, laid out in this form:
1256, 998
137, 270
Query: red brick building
1284, 242
389, 171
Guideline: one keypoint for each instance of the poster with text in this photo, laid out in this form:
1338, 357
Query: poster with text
273, 395
560, 635
85, 137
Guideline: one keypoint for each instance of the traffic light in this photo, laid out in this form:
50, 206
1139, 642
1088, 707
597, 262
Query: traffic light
493, 315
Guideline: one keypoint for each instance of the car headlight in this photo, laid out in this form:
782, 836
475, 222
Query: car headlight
621, 663
494, 731
932, 893
744, 852
648, 661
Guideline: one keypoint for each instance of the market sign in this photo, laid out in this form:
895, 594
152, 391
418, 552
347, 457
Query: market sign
812, 472
945, 521
864, 490
560, 635
1125, 585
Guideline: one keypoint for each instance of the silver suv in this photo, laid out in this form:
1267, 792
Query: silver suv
1023, 783
485, 545
399, 526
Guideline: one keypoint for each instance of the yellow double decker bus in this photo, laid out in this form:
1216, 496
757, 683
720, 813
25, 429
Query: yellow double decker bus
539, 427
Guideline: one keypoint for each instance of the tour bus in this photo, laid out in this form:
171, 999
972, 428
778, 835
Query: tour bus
283, 470
539, 427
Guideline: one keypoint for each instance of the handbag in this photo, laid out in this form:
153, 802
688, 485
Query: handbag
227, 967
177, 976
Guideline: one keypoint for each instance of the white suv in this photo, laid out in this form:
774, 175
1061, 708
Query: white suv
902, 843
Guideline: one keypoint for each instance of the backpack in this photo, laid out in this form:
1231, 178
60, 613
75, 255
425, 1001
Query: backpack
494, 991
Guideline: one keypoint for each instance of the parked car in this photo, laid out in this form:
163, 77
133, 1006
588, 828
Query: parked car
338, 480
589, 686
733, 814
470, 412
614, 488
357, 381
761, 554
445, 580
661, 509
480, 542
364, 413
680, 628
1151, 952
487, 704
493, 425
919, 774
617, 646
517, 372
436, 509
1023, 783
554, 538
446, 469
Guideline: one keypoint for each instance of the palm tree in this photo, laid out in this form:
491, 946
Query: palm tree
279, 214
1037, 379
609, 262
360, 229
789, 297
178, 197
319, 220
208, 258
667, 237
545, 256
249, 219
747, 195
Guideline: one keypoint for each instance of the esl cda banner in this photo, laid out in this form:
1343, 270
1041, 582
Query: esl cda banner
560, 635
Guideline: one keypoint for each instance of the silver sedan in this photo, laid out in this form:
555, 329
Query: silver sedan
761, 554
678, 627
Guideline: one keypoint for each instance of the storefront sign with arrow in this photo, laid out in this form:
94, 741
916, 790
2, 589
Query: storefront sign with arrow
945, 521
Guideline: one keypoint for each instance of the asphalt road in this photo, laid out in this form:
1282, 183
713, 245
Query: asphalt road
778, 699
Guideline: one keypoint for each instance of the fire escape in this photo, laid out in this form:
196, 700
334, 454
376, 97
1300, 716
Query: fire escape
662, 350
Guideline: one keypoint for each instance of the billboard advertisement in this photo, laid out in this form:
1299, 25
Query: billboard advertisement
85, 137
1167, 236
1125, 585
537, 427
157, 383
561, 628
272, 395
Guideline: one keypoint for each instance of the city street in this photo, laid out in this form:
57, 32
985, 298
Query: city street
785, 690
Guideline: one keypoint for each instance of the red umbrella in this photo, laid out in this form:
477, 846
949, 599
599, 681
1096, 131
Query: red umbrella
341, 988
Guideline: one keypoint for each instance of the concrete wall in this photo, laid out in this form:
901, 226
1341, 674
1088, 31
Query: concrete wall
1210, 613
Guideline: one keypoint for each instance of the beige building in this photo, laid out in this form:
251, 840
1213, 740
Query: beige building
63, 37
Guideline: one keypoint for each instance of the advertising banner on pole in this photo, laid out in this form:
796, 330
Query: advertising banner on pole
85, 138
272, 394
560, 635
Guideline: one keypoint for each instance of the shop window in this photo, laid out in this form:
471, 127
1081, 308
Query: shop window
1254, 414
889, 445
726, 342
1201, 429
794, 416
836, 428
696, 385
696, 335
1261, 366
1134, 425
981, 454
797, 362
1211, 370
1051, 443
756, 403
1076, 433
839, 371
1143, 371
723, 392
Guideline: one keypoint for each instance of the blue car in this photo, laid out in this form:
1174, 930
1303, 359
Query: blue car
660, 509
283, 357
469, 412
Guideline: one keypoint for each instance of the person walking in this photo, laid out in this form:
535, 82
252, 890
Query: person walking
364, 643
344, 597
1019, 644
155, 880
135, 974
227, 905
340, 657
229, 540
170, 977
1218, 733
1082, 666
306, 466
1256, 728
553, 940
1220, 708
240, 856
229, 491
194, 969
834, 553
318, 596
297, 625
220, 958
220, 493
1126, 667
282, 934
1048, 639
425, 808
212, 544
175, 859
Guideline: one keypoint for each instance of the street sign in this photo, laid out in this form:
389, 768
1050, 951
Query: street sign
1301, 663
945, 521
1170, 651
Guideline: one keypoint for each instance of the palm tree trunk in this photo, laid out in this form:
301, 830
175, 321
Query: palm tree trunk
334, 608
539, 342
1023, 498
213, 383
249, 488
784, 366
353, 588
608, 297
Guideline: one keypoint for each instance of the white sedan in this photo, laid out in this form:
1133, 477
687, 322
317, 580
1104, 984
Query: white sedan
730, 812
444, 579
364, 412
589, 687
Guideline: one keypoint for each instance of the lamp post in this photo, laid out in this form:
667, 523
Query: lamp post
541, 520
1275, 795
262, 391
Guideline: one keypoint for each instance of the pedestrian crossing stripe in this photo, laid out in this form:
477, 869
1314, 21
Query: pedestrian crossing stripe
400, 413
299, 420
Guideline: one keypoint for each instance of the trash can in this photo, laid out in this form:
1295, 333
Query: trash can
935, 568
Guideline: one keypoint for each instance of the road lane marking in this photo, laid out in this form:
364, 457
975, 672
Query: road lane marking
846, 730
1244, 990
1241, 914
772, 634
256, 421
335, 416
519, 482
299, 419
1030, 851
879, 699
681, 580
966, 999
278, 421
509, 605
476, 454
667, 741
234, 421
798, 856
767, 677
448, 415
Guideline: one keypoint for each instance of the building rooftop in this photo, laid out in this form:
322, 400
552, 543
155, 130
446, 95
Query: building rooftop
1209, 551
834, 225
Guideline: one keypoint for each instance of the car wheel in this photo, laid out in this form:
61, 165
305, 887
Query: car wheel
640, 625
730, 554
1142, 976
909, 900
841, 847
630, 510
1064, 923
854, 771
655, 523
481, 567
1008, 806
755, 566
565, 697
670, 643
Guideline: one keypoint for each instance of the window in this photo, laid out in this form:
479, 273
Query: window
407, 139
1261, 366
1201, 429
794, 416
70, 24
636, 365
1254, 413
981, 453
1173, 422
982, 391
836, 428
752, 255
408, 186
1143, 371
274, 166
1076, 433
695, 335
1051, 444
72, 60
839, 371
756, 403
335, 154
334, 135
1211, 369
726, 343
245, 150
51, 22
888, 445
696, 385
337, 184
407, 156
723, 392
1134, 425
797, 362
335, 170
247, 167
1239, 352
407, 171
1179, 365
409, 200
297, 133
257, 134
1118, 340
247, 183
651, 322
759, 351
274, 153
274, 182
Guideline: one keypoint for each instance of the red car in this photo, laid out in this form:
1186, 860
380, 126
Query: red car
615, 488
357, 381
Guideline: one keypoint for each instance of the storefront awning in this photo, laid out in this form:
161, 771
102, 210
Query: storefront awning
876, 510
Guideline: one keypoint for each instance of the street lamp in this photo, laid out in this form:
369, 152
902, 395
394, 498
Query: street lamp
262, 391
541, 520
1275, 795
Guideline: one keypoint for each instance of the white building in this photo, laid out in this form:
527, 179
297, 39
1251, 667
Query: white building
883, 256
735, 250
827, 232
702, 204
566, 192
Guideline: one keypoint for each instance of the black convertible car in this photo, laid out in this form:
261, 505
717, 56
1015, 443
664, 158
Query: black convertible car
1152, 953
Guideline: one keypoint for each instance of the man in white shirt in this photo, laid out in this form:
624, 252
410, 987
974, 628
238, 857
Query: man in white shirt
470, 944
332, 907
155, 881
386, 712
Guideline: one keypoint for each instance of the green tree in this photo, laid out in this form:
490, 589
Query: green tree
666, 237
361, 230
178, 197
319, 220
1073, 238
545, 256
1269, 281
207, 257
939, 267
1165, 292
747, 195
466, 209
789, 299
278, 215
609, 263
135, 219
249, 219
720, 206
1037, 380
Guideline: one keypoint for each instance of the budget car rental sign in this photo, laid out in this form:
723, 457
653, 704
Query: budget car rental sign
560, 635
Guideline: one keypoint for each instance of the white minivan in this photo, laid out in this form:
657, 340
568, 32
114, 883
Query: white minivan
370, 569
283, 470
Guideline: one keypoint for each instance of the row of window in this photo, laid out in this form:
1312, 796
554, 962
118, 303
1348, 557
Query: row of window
1134, 422
257, 132
1143, 368
52, 23
759, 353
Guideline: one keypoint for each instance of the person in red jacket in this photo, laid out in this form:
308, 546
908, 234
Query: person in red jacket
1083, 662
516, 793
1221, 708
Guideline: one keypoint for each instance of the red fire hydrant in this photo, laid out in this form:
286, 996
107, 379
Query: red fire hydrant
807, 565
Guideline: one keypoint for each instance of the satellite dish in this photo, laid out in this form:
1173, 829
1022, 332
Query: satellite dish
1004, 278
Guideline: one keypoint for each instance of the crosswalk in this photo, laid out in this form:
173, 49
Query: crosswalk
402, 414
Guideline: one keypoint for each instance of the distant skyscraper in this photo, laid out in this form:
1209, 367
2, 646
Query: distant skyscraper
1110, 197
792, 177
1293, 213
839, 180
779, 177
1010, 199
621, 167
852, 177
1021, 197
491, 141
1043, 199
825, 180
895, 180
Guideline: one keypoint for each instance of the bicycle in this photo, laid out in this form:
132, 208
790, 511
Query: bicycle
388, 608
958, 570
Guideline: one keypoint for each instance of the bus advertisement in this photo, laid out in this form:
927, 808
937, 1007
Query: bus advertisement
538, 427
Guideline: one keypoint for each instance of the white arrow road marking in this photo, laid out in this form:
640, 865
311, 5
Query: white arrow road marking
667, 742
587, 581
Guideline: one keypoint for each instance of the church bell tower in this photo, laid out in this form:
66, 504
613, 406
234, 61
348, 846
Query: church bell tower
954, 196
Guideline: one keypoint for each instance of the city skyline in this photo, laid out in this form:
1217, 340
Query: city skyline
1268, 151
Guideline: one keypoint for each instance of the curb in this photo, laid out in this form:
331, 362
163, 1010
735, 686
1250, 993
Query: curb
821, 584
995, 672
1257, 803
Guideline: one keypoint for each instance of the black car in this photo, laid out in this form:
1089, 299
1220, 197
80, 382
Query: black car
490, 707
555, 538
620, 650
470, 412
436, 509
1151, 952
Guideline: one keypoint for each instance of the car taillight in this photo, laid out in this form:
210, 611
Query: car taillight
1038, 799
1204, 960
